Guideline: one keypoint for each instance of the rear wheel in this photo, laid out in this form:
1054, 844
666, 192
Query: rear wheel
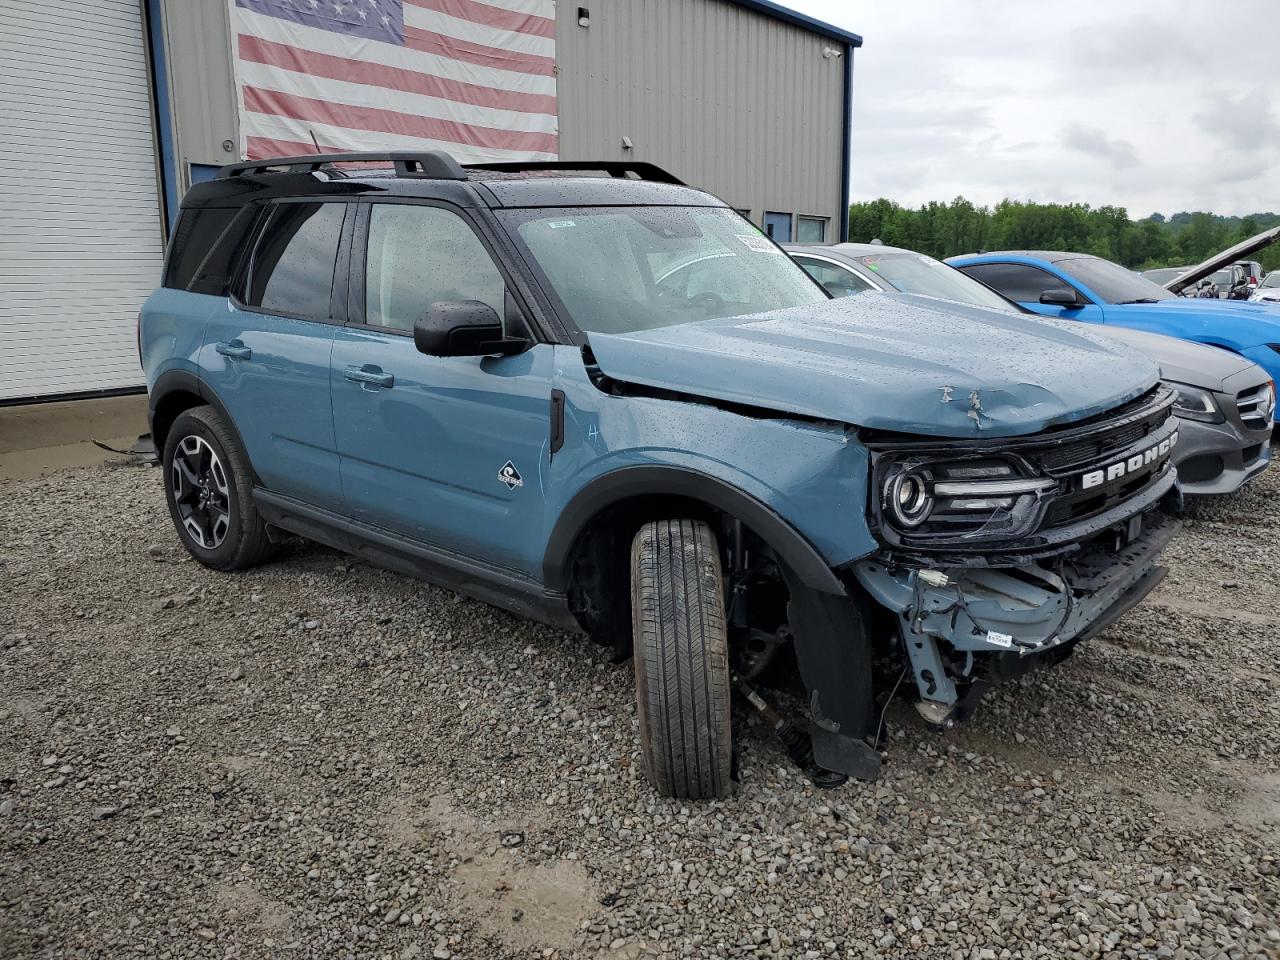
681, 659
209, 489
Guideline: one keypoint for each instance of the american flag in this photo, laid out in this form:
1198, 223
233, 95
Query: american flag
474, 78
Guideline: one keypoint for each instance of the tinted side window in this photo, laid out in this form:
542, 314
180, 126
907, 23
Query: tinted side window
293, 264
837, 281
421, 255
213, 275
193, 238
1017, 281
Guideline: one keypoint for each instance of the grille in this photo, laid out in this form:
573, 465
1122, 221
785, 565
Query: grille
1066, 455
1254, 405
1074, 504
1106, 441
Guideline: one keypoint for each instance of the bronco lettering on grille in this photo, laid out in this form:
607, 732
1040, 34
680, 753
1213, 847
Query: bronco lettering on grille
1120, 468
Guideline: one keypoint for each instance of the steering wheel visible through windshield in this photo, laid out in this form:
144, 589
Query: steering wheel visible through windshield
623, 269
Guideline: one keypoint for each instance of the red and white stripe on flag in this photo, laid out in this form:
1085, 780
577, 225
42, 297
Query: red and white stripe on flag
473, 77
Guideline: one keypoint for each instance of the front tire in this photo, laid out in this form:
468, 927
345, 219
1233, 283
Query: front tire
681, 659
209, 488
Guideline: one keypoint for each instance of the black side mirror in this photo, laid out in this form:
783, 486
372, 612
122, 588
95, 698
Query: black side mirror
463, 328
1060, 297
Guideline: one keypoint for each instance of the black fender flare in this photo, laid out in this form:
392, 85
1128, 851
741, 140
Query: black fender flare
649, 480
186, 381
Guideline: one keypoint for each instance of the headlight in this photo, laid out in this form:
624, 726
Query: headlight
1194, 403
959, 497
910, 500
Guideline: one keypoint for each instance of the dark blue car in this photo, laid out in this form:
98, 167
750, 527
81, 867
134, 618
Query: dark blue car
1076, 286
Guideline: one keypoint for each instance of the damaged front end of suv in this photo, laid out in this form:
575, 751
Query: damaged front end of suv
999, 555
984, 500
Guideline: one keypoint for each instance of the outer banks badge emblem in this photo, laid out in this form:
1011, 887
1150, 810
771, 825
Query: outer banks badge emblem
510, 476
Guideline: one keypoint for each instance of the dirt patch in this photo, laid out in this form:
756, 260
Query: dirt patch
1198, 608
528, 906
1260, 805
242, 904
1238, 799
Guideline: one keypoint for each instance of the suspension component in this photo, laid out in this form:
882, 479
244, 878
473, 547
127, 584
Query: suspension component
793, 736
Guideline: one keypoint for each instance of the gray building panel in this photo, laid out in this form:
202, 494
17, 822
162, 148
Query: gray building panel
730, 95
202, 92
745, 105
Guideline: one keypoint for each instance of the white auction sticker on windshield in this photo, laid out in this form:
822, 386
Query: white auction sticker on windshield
561, 224
759, 244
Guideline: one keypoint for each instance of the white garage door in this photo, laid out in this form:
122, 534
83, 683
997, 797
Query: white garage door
80, 235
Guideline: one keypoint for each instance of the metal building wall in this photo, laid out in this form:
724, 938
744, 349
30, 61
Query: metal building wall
727, 99
202, 94
739, 103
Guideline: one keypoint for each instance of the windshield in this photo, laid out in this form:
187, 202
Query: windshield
622, 269
1272, 279
1164, 274
915, 273
1111, 282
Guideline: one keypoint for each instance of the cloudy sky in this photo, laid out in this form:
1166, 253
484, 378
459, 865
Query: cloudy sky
1154, 107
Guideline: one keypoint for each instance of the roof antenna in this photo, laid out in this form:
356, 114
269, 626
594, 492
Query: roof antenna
314, 140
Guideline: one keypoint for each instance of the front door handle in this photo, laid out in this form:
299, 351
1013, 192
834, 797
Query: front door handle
370, 374
235, 350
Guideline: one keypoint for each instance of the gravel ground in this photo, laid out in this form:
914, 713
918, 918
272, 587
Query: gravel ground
320, 759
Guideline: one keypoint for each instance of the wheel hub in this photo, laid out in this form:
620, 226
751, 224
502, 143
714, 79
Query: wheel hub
201, 492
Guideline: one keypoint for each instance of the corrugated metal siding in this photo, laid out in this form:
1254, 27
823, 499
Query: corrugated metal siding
201, 85
726, 98
80, 228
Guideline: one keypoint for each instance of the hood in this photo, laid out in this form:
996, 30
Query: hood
1187, 316
1181, 360
889, 362
1219, 260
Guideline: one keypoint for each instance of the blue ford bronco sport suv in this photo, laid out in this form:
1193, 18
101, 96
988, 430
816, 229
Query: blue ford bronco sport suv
593, 396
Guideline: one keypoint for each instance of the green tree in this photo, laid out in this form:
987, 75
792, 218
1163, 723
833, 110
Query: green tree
943, 229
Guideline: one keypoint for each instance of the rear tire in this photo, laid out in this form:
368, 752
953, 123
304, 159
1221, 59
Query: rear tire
681, 659
208, 486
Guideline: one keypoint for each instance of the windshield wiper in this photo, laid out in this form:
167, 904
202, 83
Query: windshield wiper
1139, 300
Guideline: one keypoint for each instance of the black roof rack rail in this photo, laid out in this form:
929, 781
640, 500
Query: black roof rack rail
614, 168
425, 164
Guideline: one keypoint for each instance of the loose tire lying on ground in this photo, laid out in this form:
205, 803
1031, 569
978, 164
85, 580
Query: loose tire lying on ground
681, 659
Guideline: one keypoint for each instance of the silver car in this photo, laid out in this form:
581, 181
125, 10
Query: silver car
1269, 289
1225, 402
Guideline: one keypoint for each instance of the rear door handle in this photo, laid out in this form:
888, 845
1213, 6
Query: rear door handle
235, 350
370, 374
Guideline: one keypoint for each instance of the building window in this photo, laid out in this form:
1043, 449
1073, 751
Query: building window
811, 229
778, 226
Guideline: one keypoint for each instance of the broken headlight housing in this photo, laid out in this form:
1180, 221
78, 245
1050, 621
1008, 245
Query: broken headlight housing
923, 500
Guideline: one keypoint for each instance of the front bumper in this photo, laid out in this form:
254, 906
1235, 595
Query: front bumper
1217, 458
964, 627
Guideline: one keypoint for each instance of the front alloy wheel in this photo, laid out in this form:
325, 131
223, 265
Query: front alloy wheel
201, 492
